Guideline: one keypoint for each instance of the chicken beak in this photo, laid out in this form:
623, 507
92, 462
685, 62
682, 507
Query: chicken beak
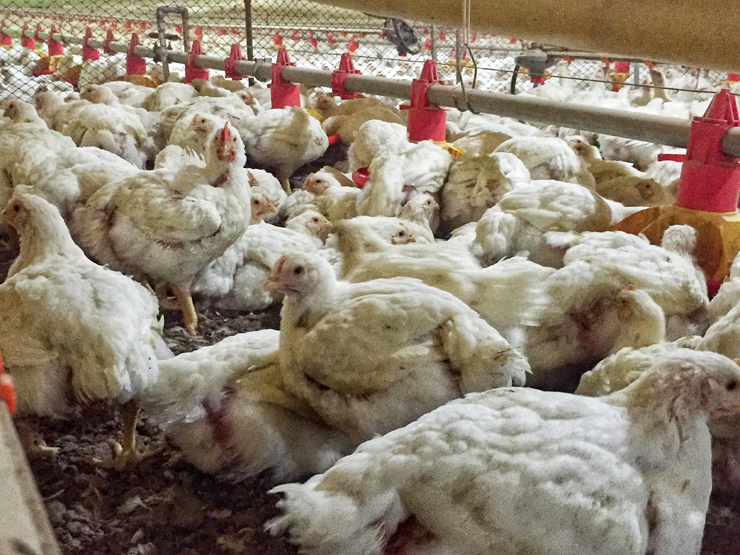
269, 207
308, 184
272, 283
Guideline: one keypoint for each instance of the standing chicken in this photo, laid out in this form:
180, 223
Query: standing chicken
169, 224
283, 140
514, 471
72, 332
374, 356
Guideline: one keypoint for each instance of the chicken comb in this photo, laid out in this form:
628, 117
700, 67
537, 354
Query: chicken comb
226, 134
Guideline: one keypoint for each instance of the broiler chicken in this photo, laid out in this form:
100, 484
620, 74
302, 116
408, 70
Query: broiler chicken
520, 221
169, 225
398, 174
283, 141
550, 158
626, 474
235, 280
371, 357
475, 184
112, 128
501, 293
226, 407
72, 332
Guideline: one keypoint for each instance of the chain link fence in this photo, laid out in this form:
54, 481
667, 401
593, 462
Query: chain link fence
315, 36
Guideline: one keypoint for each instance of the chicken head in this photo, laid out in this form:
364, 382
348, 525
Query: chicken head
261, 207
226, 146
297, 274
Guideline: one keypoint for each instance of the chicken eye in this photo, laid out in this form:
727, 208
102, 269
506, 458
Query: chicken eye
402, 234
316, 220
731, 385
16, 208
298, 271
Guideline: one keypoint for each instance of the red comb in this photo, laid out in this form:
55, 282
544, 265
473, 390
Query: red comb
226, 133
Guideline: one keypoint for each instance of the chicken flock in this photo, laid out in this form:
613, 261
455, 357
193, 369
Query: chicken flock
415, 310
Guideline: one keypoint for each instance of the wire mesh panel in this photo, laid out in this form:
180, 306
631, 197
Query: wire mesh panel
314, 34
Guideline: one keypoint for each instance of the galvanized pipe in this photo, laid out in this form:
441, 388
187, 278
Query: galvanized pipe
634, 125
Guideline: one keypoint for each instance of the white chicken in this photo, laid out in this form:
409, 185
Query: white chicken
475, 183
283, 141
625, 474
69, 176
73, 332
398, 174
371, 357
550, 158
167, 224
112, 128
481, 144
264, 182
235, 279
520, 221
167, 95
335, 199
370, 138
668, 273
228, 410
347, 126
502, 294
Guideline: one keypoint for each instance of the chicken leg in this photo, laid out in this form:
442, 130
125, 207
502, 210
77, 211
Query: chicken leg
286, 185
125, 457
33, 444
188, 309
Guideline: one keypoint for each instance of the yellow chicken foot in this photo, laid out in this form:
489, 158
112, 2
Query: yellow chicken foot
33, 444
125, 457
188, 309
286, 185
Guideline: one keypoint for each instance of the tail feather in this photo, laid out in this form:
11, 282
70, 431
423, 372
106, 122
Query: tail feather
325, 523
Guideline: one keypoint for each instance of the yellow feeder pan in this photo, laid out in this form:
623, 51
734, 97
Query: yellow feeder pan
707, 195
142, 80
454, 150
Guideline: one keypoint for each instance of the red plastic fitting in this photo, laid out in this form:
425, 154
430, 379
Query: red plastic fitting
283, 93
28, 42
425, 122
5, 39
56, 48
88, 52
7, 392
234, 56
135, 64
352, 45
361, 176
621, 67
346, 67
191, 70
710, 180
109, 38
